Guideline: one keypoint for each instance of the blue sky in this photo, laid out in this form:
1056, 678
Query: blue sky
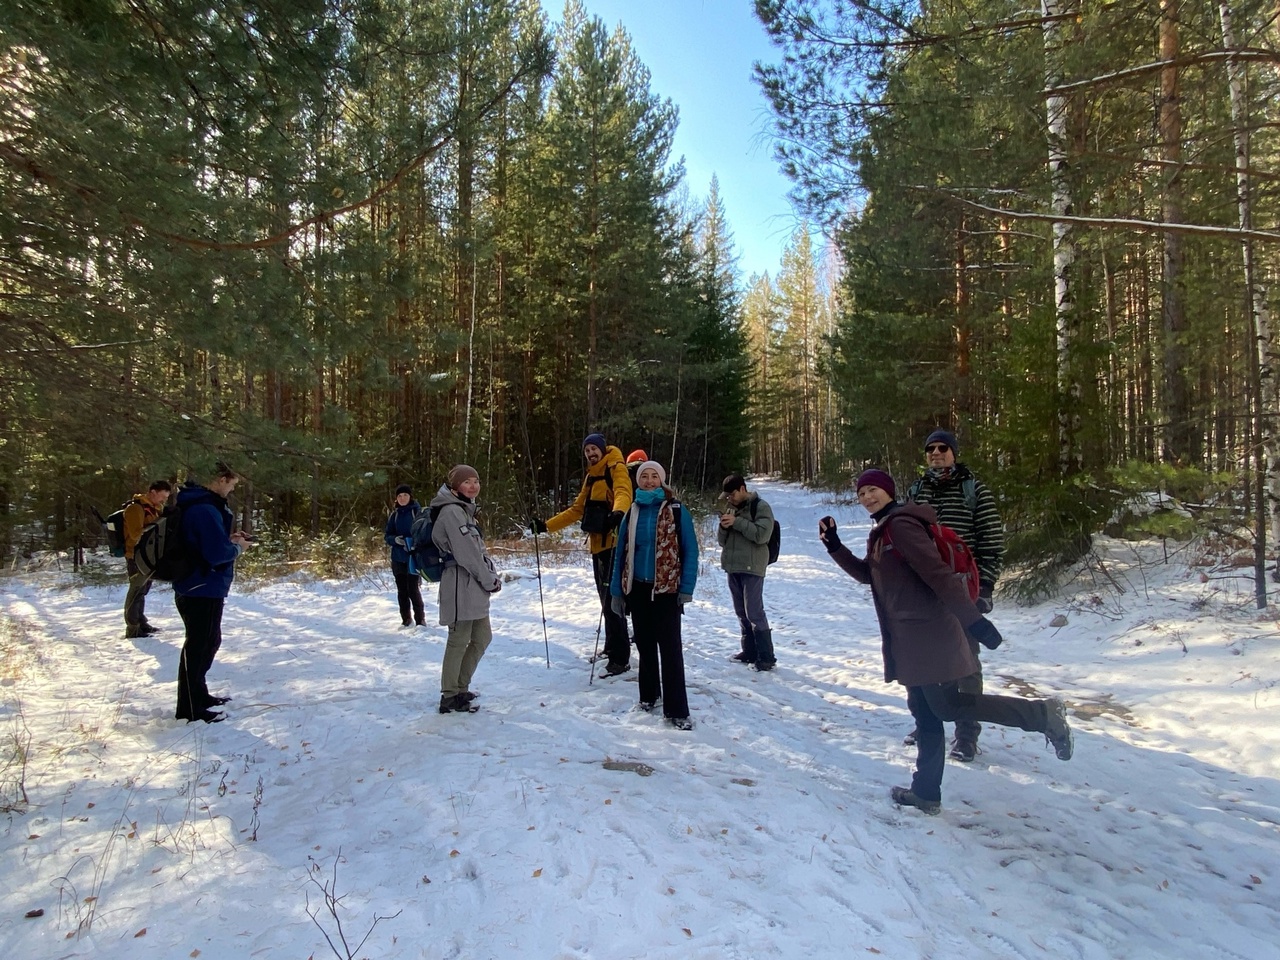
700, 53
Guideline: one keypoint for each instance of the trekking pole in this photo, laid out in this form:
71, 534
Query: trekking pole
537, 550
537, 559
596, 653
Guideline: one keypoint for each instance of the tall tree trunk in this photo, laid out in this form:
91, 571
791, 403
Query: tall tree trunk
1181, 436
1265, 392
1058, 106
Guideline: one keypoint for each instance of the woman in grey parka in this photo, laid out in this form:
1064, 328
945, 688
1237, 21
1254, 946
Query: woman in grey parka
468, 581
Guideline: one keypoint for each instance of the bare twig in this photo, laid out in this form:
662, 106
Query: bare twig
331, 901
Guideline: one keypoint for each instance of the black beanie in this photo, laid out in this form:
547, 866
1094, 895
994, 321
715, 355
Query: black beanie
404, 488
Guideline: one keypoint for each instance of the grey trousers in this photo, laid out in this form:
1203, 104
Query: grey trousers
135, 611
468, 640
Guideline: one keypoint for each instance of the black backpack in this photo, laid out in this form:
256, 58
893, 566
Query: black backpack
426, 556
775, 538
113, 529
162, 552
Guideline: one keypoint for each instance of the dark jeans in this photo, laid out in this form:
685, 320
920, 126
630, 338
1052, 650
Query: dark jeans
747, 591
616, 643
934, 703
408, 592
202, 616
135, 601
657, 623
969, 729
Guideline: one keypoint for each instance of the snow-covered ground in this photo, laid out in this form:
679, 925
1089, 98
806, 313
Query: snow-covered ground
560, 822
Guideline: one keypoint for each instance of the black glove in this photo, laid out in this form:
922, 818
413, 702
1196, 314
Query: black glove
537, 526
615, 519
985, 632
828, 535
984, 603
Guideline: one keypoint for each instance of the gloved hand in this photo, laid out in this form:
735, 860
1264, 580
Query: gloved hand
828, 535
400, 541
984, 603
615, 519
497, 586
618, 606
683, 598
537, 526
985, 632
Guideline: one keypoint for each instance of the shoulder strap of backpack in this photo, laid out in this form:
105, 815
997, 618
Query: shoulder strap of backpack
970, 487
755, 503
915, 488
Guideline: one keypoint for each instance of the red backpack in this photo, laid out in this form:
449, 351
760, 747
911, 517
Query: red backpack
955, 553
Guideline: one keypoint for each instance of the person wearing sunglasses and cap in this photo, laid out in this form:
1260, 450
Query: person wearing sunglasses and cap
966, 505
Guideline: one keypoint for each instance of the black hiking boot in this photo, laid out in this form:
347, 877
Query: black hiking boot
614, 669
682, 723
457, 704
1056, 731
964, 750
741, 657
910, 739
903, 797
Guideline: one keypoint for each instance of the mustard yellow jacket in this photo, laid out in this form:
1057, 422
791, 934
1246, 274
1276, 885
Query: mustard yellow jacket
596, 487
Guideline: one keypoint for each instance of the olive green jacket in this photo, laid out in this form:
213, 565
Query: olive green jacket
744, 547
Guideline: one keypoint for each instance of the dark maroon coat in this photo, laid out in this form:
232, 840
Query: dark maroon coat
922, 605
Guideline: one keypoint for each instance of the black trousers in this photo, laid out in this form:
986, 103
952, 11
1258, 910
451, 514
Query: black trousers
616, 643
658, 643
202, 616
934, 703
408, 592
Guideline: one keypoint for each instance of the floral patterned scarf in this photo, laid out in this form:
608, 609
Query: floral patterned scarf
666, 550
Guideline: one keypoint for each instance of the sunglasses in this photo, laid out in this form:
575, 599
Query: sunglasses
936, 448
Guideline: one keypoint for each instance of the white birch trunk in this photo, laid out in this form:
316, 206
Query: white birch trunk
1064, 244
1268, 395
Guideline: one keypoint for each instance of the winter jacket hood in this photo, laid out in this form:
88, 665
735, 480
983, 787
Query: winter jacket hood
471, 578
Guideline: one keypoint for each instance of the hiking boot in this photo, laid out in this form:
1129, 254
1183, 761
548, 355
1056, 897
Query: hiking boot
741, 657
466, 696
457, 704
1056, 731
647, 705
147, 630
964, 750
613, 669
910, 739
903, 797
682, 723
763, 666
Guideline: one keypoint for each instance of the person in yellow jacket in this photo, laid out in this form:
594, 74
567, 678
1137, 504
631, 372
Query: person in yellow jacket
141, 513
602, 502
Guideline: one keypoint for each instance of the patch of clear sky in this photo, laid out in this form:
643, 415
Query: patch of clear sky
700, 54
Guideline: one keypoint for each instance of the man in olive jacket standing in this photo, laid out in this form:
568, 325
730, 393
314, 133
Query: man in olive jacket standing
745, 529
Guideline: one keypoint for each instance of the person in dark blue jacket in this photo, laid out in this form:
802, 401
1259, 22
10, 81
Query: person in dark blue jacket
655, 569
399, 523
200, 596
